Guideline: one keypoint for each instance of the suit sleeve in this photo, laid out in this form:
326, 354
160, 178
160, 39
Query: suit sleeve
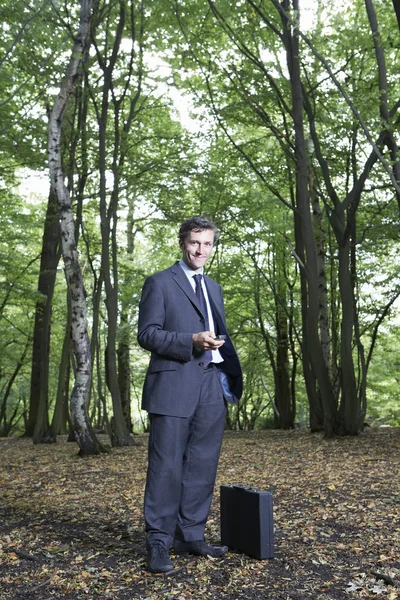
152, 334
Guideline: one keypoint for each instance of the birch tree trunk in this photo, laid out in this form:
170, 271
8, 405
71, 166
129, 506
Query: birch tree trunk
84, 434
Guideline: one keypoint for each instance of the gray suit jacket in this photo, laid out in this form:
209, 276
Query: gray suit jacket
169, 313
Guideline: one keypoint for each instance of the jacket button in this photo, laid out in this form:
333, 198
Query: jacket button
201, 364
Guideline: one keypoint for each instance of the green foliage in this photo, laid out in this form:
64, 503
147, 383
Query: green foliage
383, 381
234, 161
20, 223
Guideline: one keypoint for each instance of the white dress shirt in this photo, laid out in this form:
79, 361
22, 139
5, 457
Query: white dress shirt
216, 355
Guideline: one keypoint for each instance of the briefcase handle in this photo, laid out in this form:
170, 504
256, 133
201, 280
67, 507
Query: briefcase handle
246, 488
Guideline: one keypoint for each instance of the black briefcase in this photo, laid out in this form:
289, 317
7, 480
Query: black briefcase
247, 522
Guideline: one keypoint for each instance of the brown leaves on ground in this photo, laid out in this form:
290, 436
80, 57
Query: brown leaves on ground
72, 528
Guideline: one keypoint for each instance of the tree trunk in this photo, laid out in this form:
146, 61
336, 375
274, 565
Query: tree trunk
306, 231
94, 346
120, 432
124, 374
101, 392
37, 425
59, 424
124, 358
316, 414
108, 222
322, 284
84, 434
283, 398
385, 114
396, 6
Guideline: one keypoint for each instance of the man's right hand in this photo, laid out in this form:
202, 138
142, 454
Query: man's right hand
205, 340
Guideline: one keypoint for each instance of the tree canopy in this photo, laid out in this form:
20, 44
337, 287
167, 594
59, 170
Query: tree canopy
279, 120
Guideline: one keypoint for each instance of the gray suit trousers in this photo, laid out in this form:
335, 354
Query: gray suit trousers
183, 460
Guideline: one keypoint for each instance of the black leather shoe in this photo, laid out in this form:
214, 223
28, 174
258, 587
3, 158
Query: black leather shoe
200, 548
158, 560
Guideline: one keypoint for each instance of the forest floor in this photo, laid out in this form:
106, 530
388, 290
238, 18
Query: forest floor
72, 528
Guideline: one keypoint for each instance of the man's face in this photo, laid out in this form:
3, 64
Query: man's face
197, 247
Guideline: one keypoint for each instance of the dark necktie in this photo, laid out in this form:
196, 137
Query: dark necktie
203, 306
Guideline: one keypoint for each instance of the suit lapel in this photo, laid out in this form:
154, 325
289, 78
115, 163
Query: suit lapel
181, 279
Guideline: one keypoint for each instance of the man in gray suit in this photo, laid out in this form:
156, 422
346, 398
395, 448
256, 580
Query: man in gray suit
194, 370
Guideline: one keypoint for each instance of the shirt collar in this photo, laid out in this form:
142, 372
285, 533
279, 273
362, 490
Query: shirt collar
188, 271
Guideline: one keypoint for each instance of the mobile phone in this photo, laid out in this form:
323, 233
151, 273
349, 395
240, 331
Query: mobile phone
220, 337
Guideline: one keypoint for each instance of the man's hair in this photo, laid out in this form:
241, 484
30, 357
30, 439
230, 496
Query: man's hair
197, 223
